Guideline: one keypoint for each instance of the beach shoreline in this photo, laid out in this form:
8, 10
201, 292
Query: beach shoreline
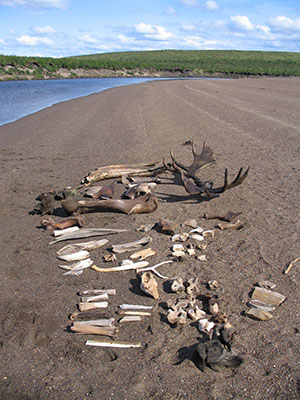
246, 122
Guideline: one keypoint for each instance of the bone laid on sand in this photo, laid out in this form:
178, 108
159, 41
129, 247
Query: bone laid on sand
95, 330
88, 315
62, 232
135, 312
143, 204
142, 254
89, 299
122, 248
131, 318
84, 233
49, 223
74, 256
127, 267
121, 345
290, 265
267, 296
90, 306
89, 292
78, 266
149, 285
73, 248
95, 322
237, 225
134, 307
117, 171
259, 315
153, 269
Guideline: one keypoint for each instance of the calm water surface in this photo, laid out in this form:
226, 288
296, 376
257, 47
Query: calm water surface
20, 98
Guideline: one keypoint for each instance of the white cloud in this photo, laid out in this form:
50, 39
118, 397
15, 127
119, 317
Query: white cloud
33, 40
170, 11
285, 23
242, 22
88, 39
198, 42
35, 4
42, 30
188, 27
211, 5
190, 3
153, 32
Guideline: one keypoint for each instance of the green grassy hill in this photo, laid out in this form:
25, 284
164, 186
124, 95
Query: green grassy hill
164, 62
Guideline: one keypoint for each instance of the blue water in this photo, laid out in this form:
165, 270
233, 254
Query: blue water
20, 98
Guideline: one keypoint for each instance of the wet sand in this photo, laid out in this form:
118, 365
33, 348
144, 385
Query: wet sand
247, 122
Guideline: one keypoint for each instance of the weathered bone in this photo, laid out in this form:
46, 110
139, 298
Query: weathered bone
228, 217
117, 171
95, 330
121, 345
49, 223
236, 225
144, 204
88, 232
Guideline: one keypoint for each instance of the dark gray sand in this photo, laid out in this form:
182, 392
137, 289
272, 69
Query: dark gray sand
247, 122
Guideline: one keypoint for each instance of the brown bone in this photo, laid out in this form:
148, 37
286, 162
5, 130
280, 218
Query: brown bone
144, 204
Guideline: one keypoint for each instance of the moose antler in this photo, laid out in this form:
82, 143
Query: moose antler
192, 184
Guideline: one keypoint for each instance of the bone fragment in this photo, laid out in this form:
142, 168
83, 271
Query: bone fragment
177, 316
266, 284
97, 291
49, 223
210, 232
180, 237
88, 232
78, 266
258, 314
109, 257
192, 287
128, 267
91, 306
202, 257
177, 285
290, 265
75, 256
195, 313
267, 296
228, 217
131, 318
95, 330
168, 226
192, 223
213, 284
237, 225
149, 285
198, 229
135, 307
134, 312
121, 345
86, 315
142, 254
122, 248
197, 236
145, 228
91, 245
205, 326
65, 231
153, 269
89, 299
95, 322
260, 305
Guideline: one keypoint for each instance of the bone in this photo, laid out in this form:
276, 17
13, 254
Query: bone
237, 225
95, 322
84, 233
95, 330
168, 226
127, 267
90, 314
205, 326
290, 265
117, 171
134, 307
120, 345
258, 314
180, 237
74, 256
228, 217
143, 204
78, 266
65, 231
49, 223
153, 269
131, 318
145, 228
177, 285
149, 285
91, 306
192, 287
101, 192
97, 291
89, 299
267, 296
122, 248
91, 245
143, 254
135, 312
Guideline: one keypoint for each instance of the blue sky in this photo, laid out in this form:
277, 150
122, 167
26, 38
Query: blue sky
58, 28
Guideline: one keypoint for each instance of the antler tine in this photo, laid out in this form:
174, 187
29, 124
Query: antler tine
239, 179
168, 168
176, 163
200, 160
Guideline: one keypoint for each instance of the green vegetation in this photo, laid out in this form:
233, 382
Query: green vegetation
180, 62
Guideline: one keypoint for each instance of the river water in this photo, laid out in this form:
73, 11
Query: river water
20, 98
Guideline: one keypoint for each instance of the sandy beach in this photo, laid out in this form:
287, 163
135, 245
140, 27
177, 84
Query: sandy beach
246, 122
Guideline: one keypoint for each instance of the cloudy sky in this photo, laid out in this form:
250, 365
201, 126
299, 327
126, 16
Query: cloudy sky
58, 28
